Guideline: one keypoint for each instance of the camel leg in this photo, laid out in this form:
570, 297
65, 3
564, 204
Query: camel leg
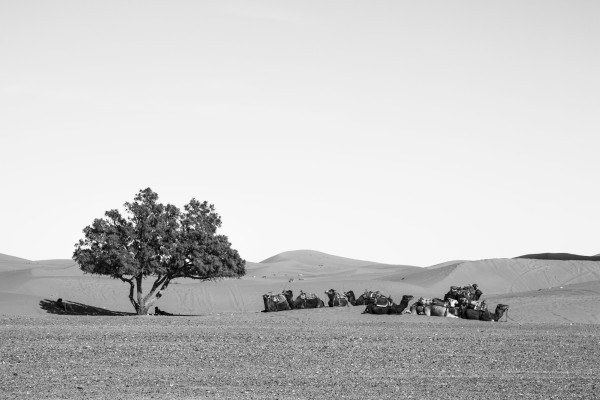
450, 315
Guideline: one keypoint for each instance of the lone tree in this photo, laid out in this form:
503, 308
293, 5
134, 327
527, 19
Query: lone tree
157, 241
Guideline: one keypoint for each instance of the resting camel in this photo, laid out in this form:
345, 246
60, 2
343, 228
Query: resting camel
448, 309
391, 309
278, 302
307, 300
336, 299
470, 313
352, 298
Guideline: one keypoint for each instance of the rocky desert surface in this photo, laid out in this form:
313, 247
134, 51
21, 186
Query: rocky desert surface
335, 353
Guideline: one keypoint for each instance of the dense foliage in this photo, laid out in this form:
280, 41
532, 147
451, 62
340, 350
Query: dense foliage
159, 241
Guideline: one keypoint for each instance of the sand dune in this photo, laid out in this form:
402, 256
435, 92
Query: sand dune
10, 263
504, 275
530, 286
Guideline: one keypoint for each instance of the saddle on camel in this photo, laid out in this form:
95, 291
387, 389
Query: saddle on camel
441, 308
278, 301
391, 308
376, 298
307, 300
378, 303
337, 299
421, 306
470, 292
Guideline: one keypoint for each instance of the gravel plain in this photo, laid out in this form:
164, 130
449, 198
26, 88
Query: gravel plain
302, 354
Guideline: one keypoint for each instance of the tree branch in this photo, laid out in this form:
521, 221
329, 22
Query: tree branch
131, 290
200, 278
160, 280
165, 282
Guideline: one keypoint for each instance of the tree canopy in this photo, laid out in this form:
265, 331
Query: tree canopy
158, 241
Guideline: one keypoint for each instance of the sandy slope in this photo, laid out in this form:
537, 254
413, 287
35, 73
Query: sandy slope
504, 275
10, 263
530, 287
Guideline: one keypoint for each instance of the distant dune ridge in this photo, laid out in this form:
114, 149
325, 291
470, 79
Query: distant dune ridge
548, 287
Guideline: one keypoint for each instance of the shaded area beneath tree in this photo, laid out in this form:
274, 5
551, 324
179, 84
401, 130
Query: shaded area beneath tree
73, 308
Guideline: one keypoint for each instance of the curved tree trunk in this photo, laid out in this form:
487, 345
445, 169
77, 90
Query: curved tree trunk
140, 303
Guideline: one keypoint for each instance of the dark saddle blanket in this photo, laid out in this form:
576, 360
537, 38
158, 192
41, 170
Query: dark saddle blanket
478, 305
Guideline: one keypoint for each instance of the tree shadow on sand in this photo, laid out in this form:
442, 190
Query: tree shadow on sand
72, 308
159, 312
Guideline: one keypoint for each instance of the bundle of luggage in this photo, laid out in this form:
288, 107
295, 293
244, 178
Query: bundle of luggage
469, 292
425, 301
276, 297
438, 302
339, 295
376, 298
307, 296
478, 305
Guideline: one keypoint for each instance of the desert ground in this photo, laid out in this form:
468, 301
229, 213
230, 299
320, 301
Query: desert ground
222, 346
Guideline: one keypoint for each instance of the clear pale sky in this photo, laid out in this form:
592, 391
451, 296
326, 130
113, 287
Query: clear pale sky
401, 132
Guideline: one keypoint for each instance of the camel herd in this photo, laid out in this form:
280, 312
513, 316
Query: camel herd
459, 302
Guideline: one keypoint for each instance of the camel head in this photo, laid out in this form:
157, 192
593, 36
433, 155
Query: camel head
452, 302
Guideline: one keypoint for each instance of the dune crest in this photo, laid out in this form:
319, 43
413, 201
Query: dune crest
10, 263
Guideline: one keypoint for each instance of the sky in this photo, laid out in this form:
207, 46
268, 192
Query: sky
399, 132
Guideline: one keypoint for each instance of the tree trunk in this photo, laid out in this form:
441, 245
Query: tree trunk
143, 309
141, 303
